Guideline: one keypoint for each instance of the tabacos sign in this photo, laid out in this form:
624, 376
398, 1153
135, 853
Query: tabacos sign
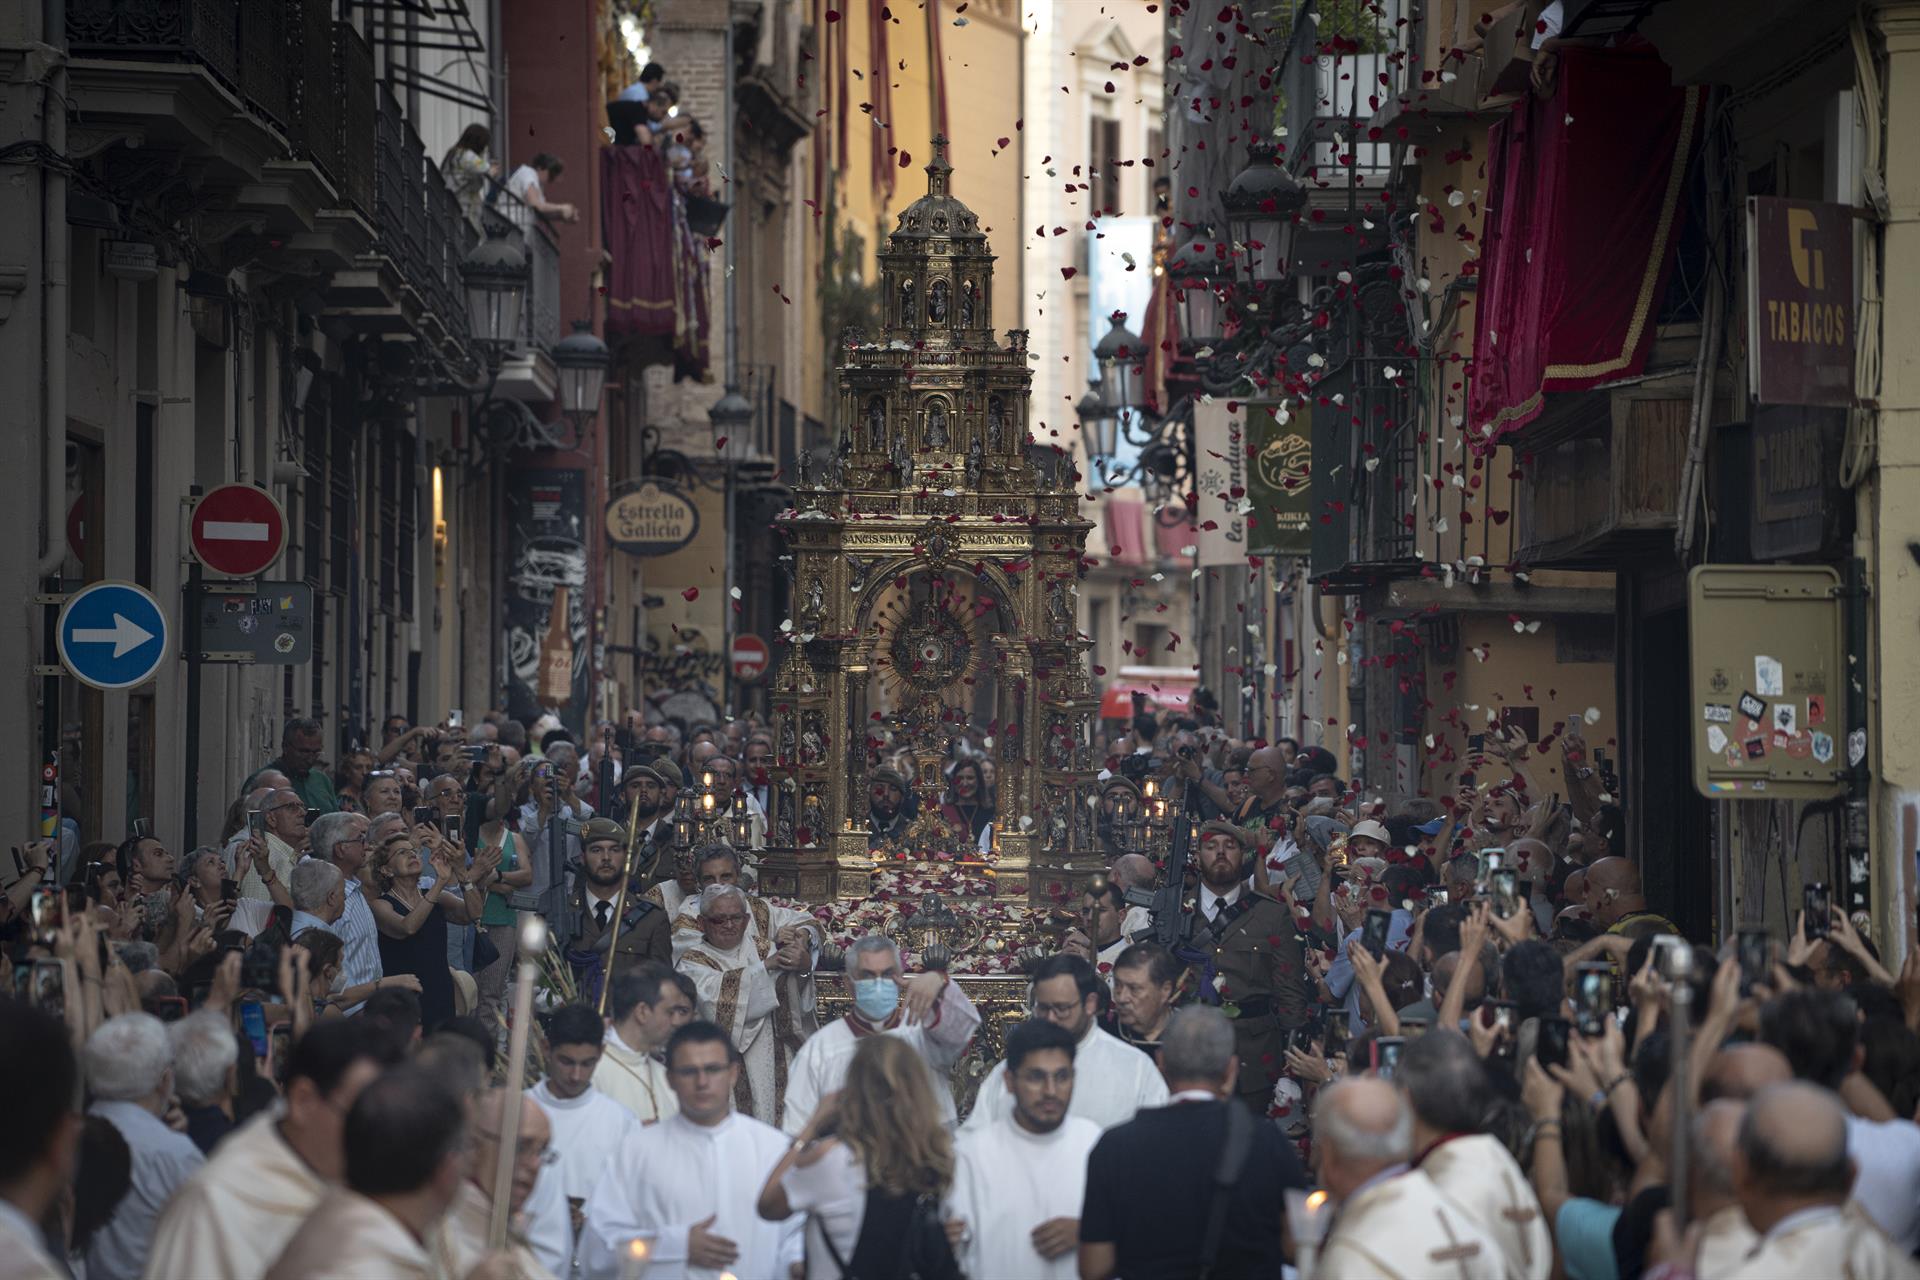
652, 519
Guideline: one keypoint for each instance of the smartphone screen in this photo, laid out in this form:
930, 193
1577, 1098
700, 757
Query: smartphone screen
1756, 953
229, 889
253, 1025
455, 718
1593, 997
450, 827
49, 990
1504, 887
280, 1042
1373, 935
423, 813
1817, 900
1494, 859
1524, 890
48, 909
313, 816
1336, 1032
1555, 1034
1386, 1055
257, 822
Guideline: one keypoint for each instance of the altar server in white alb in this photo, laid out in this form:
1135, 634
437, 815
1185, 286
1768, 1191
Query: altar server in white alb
1111, 1080
589, 1128
1019, 1181
687, 1186
929, 1011
647, 1003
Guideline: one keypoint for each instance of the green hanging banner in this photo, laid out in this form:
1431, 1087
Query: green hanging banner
1280, 454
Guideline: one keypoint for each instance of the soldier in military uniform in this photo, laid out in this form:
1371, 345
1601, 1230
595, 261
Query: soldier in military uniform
1247, 953
890, 807
644, 925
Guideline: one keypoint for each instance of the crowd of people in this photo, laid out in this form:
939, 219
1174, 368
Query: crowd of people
1363, 1040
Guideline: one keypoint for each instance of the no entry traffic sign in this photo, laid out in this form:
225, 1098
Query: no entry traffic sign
749, 657
112, 635
238, 530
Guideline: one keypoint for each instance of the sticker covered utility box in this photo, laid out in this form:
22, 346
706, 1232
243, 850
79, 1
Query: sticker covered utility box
1769, 681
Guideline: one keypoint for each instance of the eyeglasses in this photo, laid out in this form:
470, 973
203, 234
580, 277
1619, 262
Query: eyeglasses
735, 919
548, 1155
1063, 1010
289, 804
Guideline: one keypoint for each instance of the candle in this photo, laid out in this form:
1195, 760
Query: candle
634, 1264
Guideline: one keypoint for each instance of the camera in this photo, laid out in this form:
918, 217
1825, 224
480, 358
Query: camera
1556, 1035
1755, 949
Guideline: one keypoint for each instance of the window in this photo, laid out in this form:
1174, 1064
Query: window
1103, 177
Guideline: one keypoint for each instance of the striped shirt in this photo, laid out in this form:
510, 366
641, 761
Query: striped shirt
360, 940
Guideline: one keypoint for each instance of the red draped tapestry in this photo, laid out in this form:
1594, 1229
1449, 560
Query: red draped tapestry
1583, 212
636, 213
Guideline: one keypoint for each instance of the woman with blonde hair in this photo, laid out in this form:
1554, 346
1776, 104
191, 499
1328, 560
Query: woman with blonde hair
870, 1171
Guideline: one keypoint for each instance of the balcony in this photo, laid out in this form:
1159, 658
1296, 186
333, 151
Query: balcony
1365, 474
527, 372
1330, 89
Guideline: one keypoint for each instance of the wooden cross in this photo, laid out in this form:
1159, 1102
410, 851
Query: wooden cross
1455, 1251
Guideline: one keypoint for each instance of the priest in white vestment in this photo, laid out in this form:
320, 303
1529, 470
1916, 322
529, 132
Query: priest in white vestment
929, 1011
1389, 1221
233, 1217
589, 1128
461, 1241
1447, 1089
407, 1156
1793, 1175
1111, 1080
1019, 1181
688, 1185
720, 863
647, 1004
763, 995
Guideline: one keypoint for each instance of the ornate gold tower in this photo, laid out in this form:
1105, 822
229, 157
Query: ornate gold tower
934, 564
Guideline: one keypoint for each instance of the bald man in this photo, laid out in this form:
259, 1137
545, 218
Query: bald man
1363, 1138
1792, 1174
1738, 1071
462, 1236
1134, 871
1618, 905
1726, 1238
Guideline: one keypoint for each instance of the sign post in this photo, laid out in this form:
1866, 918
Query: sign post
112, 635
238, 530
749, 656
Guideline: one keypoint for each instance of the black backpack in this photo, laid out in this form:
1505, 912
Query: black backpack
901, 1238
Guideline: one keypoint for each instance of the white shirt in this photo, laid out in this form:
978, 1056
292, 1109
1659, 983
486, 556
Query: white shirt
24, 1249
1111, 1081
359, 940
1209, 900
832, 1192
1007, 1181
162, 1161
820, 1067
676, 1173
1888, 1185
521, 183
1547, 25
588, 1131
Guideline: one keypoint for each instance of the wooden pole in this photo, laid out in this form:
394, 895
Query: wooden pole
620, 902
533, 942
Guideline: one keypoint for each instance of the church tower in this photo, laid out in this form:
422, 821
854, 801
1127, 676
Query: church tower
934, 560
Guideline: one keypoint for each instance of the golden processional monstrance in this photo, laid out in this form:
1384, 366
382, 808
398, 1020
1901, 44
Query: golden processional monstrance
934, 561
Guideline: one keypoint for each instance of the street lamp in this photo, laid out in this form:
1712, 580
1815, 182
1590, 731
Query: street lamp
1261, 207
1197, 274
730, 417
582, 360
1099, 424
495, 277
1118, 354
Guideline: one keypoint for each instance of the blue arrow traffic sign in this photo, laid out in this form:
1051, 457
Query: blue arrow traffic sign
112, 635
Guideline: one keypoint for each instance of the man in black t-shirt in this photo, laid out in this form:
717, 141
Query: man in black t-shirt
1151, 1181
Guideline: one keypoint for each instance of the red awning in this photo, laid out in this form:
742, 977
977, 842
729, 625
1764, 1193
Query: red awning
1165, 687
1126, 537
1584, 204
